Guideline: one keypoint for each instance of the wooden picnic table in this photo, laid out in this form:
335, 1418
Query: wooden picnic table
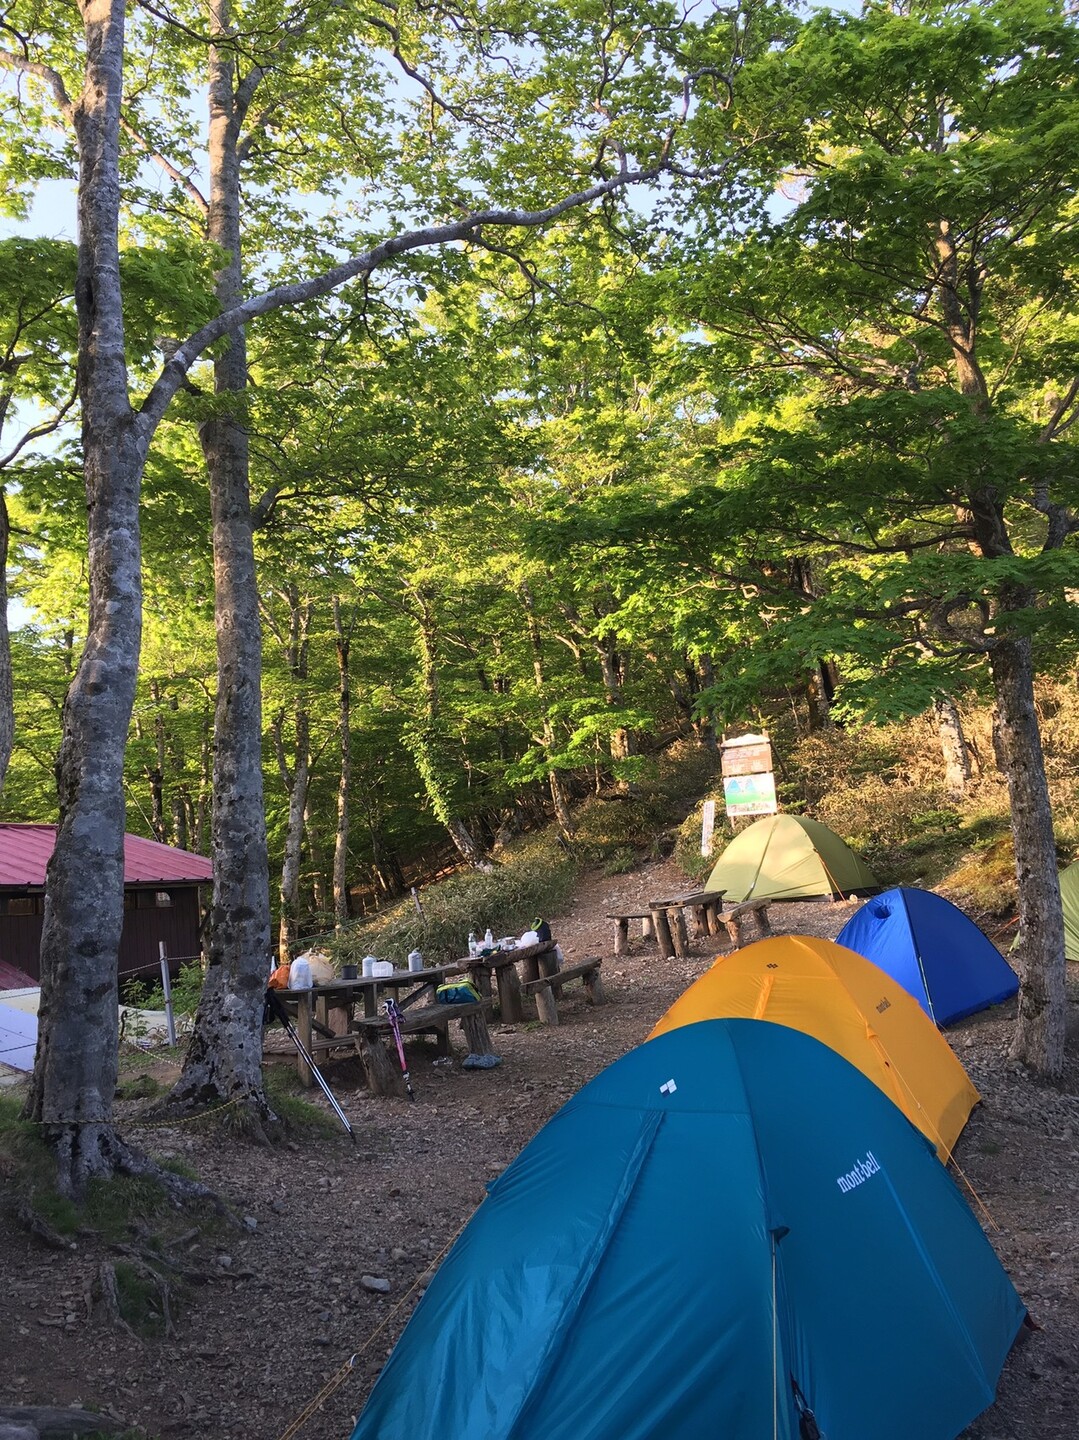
312, 1007
532, 971
669, 919
501, 966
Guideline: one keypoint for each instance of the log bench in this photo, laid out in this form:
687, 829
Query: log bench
734, 919
377, 1051
621, 932
547, 986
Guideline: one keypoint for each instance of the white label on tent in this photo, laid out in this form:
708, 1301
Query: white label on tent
668, 1089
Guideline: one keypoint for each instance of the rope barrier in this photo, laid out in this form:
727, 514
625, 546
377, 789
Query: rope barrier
338, 1378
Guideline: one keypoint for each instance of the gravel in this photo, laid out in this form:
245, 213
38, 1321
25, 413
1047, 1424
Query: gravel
337, 1242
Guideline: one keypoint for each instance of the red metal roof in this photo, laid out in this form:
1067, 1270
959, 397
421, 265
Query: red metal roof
12, 978
25, 851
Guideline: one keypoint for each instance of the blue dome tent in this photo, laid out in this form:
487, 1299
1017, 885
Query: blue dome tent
726, 1230
933, 950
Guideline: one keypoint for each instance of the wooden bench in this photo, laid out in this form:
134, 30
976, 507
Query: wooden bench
733, 920
545, 988
378, 1052
621, 932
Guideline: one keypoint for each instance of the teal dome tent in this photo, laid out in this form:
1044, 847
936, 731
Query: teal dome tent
728, 1230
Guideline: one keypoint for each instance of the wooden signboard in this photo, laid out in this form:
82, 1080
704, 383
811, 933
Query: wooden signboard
748, 755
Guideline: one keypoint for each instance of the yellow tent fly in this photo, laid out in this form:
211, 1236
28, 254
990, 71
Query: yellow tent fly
850, 1005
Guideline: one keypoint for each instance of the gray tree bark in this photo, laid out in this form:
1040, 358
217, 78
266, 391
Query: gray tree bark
7, 698
563, 817
1038, 1040
224, 1059
958, 769
295, 777
342, 641
76, 1062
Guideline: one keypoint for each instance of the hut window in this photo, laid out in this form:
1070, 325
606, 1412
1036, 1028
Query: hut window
162, 899
23, 905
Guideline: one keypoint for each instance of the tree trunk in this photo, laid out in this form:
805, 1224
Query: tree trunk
953, 744
224, 1058
342, 641
295, 781
316, 874
1039, 1031
559, 802
7, 700
157, 775
428, 746
623, 743
75, 1068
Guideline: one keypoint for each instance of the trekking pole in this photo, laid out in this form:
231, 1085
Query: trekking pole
277, 1011
393, 1015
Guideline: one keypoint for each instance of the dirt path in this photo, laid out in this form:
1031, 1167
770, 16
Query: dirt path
291, 1295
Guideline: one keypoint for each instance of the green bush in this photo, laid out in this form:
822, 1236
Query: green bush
535, 878
186, 991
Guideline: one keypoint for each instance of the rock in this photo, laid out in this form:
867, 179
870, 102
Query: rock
375, 1285
250, 1222
18, 1432
398, 1254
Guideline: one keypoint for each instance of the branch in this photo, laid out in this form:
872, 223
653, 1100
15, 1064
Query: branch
52, 78
38, 432
281, 296
194, 194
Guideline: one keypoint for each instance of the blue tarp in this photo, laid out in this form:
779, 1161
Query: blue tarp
933, 950
729, 1208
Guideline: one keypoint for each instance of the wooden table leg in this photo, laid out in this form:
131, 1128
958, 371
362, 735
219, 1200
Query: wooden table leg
477, 1034
647, 928
678, 931
621, 937
303, 1029
509, 995
546, 1005
663, 934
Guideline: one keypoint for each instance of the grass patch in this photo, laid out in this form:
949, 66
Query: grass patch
139, 1301
534, 878
285, 1094
186, 991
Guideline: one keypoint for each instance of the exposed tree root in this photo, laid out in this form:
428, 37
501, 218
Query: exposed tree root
107, 1295
32, 1222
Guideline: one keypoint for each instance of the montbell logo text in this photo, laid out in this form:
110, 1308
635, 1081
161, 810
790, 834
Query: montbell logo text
860, 1174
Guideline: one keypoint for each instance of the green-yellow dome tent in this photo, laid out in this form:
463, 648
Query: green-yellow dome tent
787, 857
1069, 896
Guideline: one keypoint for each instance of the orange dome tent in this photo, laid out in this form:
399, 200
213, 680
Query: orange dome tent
849, 1004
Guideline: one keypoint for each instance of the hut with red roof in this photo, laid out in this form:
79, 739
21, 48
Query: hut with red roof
161, 903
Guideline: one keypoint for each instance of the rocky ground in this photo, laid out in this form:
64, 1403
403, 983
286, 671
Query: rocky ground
336, 1242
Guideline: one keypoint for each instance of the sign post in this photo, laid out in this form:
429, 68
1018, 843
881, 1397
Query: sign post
749, 786
708, 825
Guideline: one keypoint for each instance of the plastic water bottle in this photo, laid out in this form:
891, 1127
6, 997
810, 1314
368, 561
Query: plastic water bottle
488, 940
415, 960
299, 975
473, 945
